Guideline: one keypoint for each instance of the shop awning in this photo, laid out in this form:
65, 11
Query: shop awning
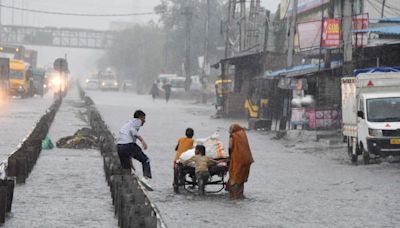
390, 30
376, 70
295, 71
390, 20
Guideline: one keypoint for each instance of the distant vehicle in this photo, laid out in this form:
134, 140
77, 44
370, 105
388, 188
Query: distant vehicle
164, 78
57, 82
127, 85
4, 78
371, 113
38, 81
108, 80
177, 84
222, 89
20, 84
92, 83
196, 84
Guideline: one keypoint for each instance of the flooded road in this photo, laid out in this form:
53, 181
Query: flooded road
286, 188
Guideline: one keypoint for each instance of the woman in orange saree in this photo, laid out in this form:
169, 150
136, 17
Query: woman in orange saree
240, 161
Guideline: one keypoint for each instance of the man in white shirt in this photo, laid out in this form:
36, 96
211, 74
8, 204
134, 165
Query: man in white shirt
127, 147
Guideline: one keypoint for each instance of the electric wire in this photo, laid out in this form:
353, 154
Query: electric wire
75, 14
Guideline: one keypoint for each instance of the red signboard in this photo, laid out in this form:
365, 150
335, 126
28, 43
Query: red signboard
331, 29
360, 22
331, 33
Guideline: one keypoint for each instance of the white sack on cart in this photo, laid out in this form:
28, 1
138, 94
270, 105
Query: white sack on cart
214, 148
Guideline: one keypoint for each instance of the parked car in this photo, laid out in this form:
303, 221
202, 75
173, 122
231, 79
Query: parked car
108, 80
92, 83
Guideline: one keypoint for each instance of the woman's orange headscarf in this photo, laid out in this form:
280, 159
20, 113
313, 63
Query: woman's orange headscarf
240, 156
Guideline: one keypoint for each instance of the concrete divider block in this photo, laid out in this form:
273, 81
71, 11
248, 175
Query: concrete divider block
22, 171
10, 184
126, 209
3, 203
131, 205
150, 222
12, 166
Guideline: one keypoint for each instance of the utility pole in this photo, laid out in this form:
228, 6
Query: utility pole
228, 30
205, 60
188, 18
1, 22
383, 8
243, 25
265, 48
1, 3
12, 12
347, 36
328, 53
292, 34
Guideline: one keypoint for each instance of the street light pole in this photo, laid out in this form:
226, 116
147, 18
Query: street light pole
60, 82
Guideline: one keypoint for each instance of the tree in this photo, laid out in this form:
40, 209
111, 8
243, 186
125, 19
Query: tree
136, 54
173, 17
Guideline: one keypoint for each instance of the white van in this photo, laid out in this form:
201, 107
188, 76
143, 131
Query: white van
371, 114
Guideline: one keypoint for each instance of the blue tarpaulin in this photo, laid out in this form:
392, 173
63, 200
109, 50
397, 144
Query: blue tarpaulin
376, 70
390, 20
390, 30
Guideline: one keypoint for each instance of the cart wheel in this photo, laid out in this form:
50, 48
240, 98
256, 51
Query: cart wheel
176, 180
176, 188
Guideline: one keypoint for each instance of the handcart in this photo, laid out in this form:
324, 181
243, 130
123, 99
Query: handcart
184, 176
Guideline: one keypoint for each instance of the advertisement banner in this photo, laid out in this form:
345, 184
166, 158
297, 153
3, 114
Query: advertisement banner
331, 33
331, 30
360, 22
309, 34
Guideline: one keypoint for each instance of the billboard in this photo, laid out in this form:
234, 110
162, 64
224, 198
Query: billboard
302, 6
331, 33
360, 22
309, 34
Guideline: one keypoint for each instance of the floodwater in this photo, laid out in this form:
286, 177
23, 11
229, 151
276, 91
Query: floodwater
287, 187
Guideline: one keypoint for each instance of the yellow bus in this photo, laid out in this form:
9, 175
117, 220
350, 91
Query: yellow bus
19, 79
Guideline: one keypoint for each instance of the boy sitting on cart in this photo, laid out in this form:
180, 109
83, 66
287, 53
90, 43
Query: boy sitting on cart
202, 162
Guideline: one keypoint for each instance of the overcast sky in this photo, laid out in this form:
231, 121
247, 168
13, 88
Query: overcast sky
82, 61
84, 6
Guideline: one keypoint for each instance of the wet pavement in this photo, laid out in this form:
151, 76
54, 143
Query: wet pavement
67, 187
17, 119
287, 187
291, 183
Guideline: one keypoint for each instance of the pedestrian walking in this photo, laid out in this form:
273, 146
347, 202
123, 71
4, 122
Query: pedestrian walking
167, 89
128, 149
240, 161
154, 90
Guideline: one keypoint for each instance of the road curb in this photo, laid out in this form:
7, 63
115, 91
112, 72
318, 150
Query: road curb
132, 206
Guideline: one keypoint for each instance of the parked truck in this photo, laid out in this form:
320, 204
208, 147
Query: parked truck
4, 78
20, 81
108, 80
371, 113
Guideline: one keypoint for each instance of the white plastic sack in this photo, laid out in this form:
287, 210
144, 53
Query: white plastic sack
187, 155
214, 148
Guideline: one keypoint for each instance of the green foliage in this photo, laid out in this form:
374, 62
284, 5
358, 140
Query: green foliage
140, 53
137, 54
174, 19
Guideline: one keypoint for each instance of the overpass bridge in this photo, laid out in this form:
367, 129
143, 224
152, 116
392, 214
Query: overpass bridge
56, 37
